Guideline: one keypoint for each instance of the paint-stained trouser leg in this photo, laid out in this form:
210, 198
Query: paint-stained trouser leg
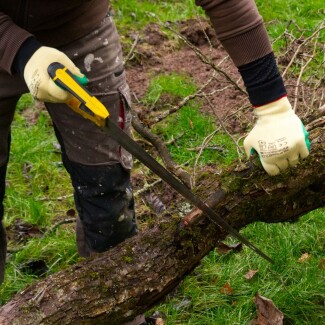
106, 206
98, 166
104, 200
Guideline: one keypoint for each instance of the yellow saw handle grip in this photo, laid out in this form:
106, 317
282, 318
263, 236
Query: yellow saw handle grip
82, 101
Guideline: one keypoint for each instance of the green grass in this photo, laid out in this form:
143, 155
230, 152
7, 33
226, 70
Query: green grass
137, 14
173, 84
57, 251
300, 18
35, 180
297, 289
35, 172
189, 126
307, 14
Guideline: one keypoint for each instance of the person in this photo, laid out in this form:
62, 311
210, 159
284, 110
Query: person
279, 136
81, 35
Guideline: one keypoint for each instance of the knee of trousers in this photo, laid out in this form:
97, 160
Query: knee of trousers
105, 204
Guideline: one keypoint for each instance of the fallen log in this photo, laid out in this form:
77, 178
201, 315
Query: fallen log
115, 286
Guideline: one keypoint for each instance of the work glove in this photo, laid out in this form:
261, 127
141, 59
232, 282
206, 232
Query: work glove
38, 81
279, 137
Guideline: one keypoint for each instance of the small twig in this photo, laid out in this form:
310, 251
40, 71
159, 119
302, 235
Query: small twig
317, 31
322, 106
146, 187
214, 148
173, 140
204, 59
203, 145
58, 224
205, 34
301, 73
59, 198
283, 34
320, 122
163, 151
239, 149
131, 52
215, 91
181, 104
144, 141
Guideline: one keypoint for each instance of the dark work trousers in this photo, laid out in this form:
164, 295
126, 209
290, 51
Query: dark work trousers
99, 168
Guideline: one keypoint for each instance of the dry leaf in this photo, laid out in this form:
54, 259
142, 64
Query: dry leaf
156, 318
227, 289
191, 124
20, 231
27, 167
321, 264
223, 248
267, 312
249, 275
159, 321
71, 213
304, 257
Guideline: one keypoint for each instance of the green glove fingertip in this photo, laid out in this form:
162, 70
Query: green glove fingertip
253, 152
82, 80
306, 137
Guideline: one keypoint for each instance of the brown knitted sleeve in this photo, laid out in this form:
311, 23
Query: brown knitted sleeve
239, 27
11, 38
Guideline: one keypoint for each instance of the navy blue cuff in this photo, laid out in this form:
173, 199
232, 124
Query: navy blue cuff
27, 49
262, 80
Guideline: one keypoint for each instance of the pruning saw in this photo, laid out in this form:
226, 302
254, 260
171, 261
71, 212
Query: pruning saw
91, 108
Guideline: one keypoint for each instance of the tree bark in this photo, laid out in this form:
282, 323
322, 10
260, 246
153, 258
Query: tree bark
115, 286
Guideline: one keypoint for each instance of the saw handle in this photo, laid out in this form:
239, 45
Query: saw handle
82, 101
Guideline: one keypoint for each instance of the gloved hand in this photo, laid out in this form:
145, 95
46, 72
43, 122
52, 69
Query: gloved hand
279, 137
38, 81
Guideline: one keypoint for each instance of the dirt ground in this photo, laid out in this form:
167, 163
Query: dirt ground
156, 54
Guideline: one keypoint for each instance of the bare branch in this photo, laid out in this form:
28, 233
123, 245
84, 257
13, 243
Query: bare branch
182, 103
131, 52
239, 149
162, 149
316, 32
204, 59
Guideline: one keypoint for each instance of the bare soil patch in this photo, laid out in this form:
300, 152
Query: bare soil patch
156, 54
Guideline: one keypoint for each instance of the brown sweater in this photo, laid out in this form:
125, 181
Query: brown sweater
52, 22
239, 27
58, 22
